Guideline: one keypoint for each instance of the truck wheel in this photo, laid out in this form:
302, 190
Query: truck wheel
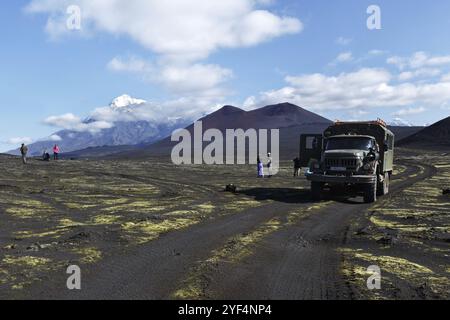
316, 190
370, 193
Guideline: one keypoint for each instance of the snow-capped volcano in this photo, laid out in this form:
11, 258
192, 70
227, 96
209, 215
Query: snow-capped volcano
398, 122
130, 121
125, 101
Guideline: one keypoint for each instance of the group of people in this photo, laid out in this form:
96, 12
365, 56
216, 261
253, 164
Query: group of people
297, 166
261, 166
56, 151
45, 155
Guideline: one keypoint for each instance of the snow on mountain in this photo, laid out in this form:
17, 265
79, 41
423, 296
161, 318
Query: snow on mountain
133, 121
124, 101
398, 122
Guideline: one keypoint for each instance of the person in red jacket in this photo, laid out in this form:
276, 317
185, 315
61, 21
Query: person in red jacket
56, 152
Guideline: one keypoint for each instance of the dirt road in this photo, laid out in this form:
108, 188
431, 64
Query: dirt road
269, 241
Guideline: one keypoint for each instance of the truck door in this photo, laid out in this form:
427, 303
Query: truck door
310, 148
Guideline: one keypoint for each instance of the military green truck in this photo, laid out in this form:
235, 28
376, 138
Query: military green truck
353, 156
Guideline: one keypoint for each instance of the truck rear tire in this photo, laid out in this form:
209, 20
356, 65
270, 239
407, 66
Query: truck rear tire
370, 193
316, 190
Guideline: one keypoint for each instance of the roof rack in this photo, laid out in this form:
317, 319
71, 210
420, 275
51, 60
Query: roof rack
374, 122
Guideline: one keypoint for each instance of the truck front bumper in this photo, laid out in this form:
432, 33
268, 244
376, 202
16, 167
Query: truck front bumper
314, 177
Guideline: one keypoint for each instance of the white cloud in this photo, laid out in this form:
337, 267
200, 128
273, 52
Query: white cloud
409, 111
180, 79
345, 57
176, 29
342, 58
376, 52
343, 41
194, 78
419, 73
366, 88
181, 33
446, 77
399, 122
54, 137
71, 122
19, 140
419, 60
186, 108
132, 64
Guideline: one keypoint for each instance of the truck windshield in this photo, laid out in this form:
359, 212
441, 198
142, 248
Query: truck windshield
349, 143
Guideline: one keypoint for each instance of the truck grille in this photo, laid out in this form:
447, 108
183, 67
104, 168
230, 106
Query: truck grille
347, 163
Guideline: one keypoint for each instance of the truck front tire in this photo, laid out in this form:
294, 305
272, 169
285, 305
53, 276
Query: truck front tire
370, 193
316, 190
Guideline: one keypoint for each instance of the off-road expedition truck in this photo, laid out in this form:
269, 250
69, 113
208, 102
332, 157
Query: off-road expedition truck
353, 156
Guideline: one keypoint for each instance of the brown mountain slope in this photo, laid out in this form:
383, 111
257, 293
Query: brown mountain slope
289, 118
434, 136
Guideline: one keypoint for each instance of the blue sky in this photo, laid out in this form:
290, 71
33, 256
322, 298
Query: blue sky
317, 54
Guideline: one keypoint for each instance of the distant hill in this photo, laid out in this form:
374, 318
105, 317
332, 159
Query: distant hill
292, 121
99, 152
402, 132
434, 136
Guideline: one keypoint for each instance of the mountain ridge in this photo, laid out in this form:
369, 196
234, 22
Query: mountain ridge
436, 135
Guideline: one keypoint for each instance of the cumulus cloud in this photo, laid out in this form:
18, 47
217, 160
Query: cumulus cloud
419, 60
54, 137
19, 140
194, 78
419, 73
181, 33
176, 29
131, 64
365, 88
71, 122
187, 108
342, 58
198, 78
345, 57
446, 77
409, 111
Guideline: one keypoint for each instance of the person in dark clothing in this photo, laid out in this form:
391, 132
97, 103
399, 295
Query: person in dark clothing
24, 152
46, 156
297, 166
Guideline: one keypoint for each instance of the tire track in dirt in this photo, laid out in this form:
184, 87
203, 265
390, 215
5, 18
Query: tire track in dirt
155, 270
152, 271
300, 261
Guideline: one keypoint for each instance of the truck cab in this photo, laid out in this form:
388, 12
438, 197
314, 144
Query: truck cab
350, 154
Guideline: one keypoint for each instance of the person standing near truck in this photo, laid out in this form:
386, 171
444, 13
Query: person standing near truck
56, 151
297, 166
269, 164
260, 168
24, 152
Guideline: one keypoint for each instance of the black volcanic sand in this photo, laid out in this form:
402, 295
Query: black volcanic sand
152, 230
